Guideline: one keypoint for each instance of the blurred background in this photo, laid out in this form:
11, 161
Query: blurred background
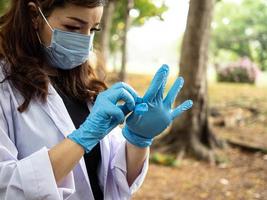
217, 150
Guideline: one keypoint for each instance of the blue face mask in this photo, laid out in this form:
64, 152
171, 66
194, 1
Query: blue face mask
67, 49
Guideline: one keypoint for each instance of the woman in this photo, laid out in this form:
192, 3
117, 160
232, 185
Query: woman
59, 134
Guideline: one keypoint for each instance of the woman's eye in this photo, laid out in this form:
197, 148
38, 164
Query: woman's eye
95, 29
72, 28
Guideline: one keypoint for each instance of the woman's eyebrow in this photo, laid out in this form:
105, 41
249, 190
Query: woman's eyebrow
81, 21
78, 20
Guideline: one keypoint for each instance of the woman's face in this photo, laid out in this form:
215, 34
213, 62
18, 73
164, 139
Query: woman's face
70, 18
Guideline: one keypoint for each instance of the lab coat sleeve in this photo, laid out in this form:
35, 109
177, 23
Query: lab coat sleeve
29, 178
119, 166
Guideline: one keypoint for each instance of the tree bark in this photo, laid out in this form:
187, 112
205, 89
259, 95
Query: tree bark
104, 38
191, 132
130, 5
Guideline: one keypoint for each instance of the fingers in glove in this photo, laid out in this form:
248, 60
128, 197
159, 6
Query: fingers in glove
115, 113
124, 109
173, 92
181, 108
156, 83
122, 94
162, 88
129, 88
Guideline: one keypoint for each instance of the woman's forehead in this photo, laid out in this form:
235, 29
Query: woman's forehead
80, 14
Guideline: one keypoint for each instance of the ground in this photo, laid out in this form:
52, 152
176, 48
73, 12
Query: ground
244, 177
238, 113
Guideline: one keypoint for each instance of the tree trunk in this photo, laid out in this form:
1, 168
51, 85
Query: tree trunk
104, 38
191, 132
130, 5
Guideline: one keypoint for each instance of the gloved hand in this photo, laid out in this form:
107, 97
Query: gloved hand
105, 115
142, 127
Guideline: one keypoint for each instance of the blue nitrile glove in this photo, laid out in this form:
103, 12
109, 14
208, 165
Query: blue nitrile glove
104, 116
142, 127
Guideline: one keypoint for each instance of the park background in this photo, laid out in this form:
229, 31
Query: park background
217, 150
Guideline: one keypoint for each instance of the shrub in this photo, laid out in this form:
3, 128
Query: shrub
242, 71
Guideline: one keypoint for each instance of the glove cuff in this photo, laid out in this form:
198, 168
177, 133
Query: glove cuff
87, 144
136, 139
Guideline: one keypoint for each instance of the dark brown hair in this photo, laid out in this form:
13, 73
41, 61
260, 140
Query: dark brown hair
25, 65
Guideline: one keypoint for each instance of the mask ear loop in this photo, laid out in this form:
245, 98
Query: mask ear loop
38, 36
45, 19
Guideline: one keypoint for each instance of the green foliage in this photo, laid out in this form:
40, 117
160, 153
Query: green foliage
241, 30
221, 159
164, 159
146, 9
3, 6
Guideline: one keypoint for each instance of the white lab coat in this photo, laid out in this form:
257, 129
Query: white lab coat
25, 167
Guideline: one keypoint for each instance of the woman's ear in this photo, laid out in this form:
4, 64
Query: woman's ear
34, 14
